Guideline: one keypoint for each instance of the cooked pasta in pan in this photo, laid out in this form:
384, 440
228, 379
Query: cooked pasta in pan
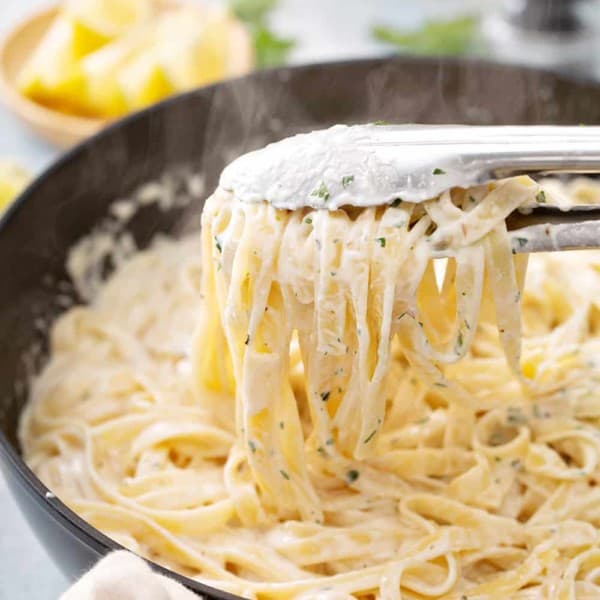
306, 404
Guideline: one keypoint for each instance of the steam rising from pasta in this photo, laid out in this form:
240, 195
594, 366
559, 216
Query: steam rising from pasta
345, 420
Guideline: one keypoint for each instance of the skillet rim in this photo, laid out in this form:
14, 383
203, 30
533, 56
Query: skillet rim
52, 505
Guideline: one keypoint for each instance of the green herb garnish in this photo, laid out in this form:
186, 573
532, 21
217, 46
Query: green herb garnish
218, 244
270, 50
252, 446
454, 37
252, 11
438, 171
521, 241
396, 202
284, 474
352, 475
515, 416
347, 180
321, 192
247, 340
370, 436
381, 241
308, 221
541, 196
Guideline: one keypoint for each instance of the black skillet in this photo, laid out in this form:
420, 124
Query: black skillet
205, 129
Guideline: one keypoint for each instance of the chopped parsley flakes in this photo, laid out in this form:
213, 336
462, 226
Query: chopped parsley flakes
321, 192
515, 416
352, 475
370, 436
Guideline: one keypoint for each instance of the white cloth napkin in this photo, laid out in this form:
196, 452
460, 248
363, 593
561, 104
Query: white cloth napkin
125, 576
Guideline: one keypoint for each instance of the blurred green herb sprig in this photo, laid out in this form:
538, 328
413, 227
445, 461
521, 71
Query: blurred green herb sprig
270, 49
452, 37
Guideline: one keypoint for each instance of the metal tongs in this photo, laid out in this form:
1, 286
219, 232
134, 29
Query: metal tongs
366, 165
477, 154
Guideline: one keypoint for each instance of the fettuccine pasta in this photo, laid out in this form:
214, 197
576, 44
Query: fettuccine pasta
305, 404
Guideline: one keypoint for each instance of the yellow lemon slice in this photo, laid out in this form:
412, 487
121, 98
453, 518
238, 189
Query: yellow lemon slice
101, 58
53, 75
192, 46
13, 179
110, 18
143, 81
105, 95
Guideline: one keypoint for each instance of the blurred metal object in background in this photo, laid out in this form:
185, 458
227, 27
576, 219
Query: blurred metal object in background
557, 34
544, 15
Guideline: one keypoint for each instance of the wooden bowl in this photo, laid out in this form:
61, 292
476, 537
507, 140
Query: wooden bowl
63, 129
59, 128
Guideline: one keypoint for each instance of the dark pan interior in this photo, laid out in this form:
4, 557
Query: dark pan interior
205, 129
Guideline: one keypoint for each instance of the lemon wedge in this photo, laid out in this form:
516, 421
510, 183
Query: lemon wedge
192, 46
53, 75
110, 18
105, 96
103, 58
13, 179
144, 81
